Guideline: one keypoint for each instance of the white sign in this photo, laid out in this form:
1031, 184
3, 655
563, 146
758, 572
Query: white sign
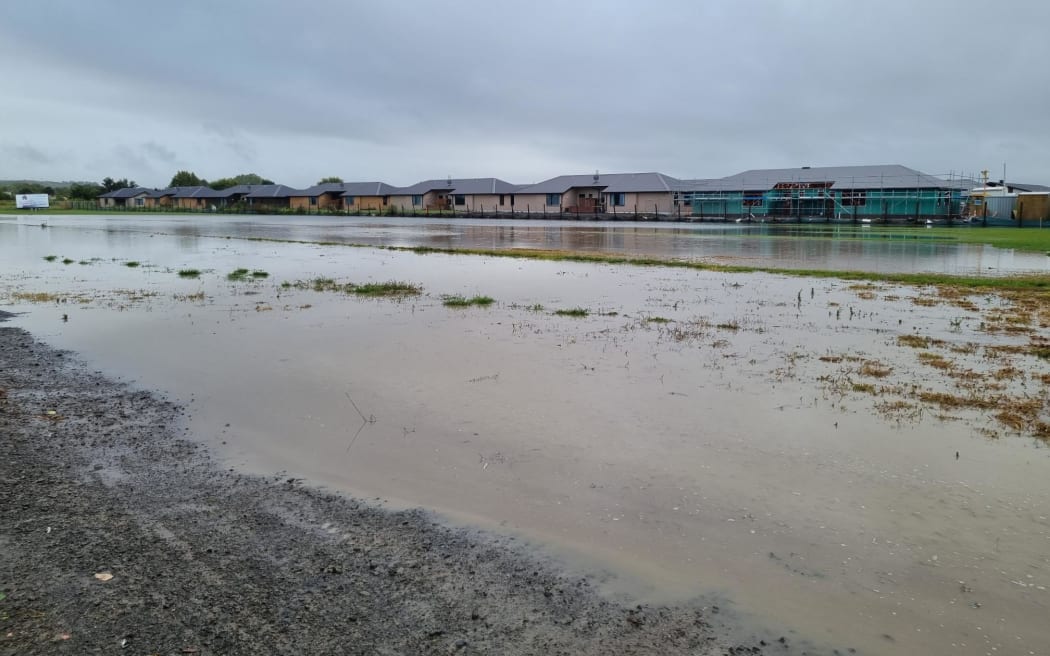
31, 201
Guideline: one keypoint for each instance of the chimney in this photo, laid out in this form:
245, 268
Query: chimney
450, 180
595, 176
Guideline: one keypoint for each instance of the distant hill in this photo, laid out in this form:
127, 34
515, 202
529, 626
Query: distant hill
43, 183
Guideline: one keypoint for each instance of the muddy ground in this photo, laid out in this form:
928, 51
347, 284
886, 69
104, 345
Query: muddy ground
99, 480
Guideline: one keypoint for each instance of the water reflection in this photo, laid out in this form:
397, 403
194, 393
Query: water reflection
782, 246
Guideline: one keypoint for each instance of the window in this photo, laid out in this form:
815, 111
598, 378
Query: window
460, 199
501, 200
553, 200
313, 200
417, 201
349, 200
139, 202
854, 198
512, 200
619, 200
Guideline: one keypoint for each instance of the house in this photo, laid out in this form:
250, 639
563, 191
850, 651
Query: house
128, 197
824, 193
324, 196
432, 195
366, 196
264, 198
608, 193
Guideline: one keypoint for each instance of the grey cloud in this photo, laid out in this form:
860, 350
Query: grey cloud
27, 154
692, 89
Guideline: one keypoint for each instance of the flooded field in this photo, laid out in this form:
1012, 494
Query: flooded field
853, 466
786, 246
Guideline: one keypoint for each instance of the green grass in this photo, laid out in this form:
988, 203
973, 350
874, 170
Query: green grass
536, 307
189, 273
50, 258
237, 274
462, 301
374, 289
657, 320
132, 264
577, 312
389, 288
259, 273
68, 261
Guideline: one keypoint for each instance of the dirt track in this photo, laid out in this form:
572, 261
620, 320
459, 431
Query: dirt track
95, 480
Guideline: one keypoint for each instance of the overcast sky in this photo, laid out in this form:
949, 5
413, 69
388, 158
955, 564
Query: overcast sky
403, 91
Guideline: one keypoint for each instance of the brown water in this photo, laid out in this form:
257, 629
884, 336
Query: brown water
683, 459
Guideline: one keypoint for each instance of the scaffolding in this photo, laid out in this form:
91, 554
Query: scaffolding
819, 202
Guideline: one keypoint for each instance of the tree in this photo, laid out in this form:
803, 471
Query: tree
187, 179
332, 178
242, 179
87, 191
109, 184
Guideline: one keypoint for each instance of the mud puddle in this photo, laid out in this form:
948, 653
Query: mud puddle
754, 439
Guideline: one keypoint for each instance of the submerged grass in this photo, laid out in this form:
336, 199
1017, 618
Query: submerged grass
237, 274
462, 301
389, 288
577, 312
189, 273
132, 264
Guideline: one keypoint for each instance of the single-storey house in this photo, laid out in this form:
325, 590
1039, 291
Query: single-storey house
426, 195
128, 197
270, 197
608, 193
366, 196
324, 196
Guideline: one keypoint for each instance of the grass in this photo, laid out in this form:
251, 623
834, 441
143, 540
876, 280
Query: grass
189, 273
577, 312
238, 274
875, 369
374, 289
462, 301
37, 297
657, 320
132, 264
50, 258
68, 261
388, 288
536, 307
259, 274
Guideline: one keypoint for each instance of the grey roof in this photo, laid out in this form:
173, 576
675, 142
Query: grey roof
272, 191
365, 189
465, 186
610, 182
127, 192
1024, 186
887, 176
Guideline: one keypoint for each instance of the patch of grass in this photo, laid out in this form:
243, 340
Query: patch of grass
657, 320
259, 273
914, 341
536, 307
37, 297
577, 312
189, 273
934, 360
131, 264
68, 261
866, 388
875, 369
50, 258
462, 302
237, 274
948, 400
728, 325
388, 288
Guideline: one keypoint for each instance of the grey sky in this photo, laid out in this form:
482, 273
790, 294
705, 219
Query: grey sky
402, 91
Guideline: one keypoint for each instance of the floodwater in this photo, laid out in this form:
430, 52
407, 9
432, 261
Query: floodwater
705, 457
835, 247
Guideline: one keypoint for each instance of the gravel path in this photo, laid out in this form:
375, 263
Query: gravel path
120, 535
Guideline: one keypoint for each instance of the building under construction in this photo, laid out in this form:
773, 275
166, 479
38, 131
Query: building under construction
834, 193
